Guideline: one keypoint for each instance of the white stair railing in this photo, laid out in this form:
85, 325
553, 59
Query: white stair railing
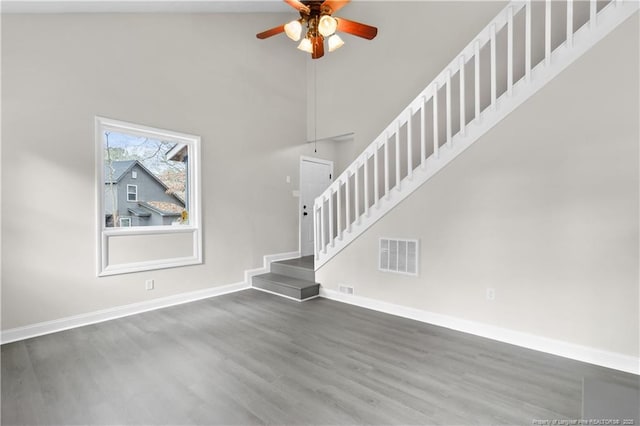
482, 85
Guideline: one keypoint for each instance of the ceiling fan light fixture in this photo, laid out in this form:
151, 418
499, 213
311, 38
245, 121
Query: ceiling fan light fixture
305, 45
327, 25
293, 30
335, 42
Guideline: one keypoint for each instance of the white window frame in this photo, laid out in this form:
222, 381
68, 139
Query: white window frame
135, 193
104, 233
134, 174
128, 219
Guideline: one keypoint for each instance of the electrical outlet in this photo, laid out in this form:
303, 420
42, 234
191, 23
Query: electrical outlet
148, 284
491, 294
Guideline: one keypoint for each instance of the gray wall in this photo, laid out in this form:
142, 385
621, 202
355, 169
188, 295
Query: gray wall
544, 208
200, 74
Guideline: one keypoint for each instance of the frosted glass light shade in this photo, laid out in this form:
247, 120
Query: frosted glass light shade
293, 30
327, 25
335, 42
305, 45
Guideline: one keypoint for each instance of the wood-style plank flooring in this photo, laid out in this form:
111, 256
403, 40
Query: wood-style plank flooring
254, 358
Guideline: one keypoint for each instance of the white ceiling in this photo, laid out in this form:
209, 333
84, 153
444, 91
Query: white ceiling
139, 6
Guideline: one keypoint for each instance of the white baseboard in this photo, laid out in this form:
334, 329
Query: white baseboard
573, 351
47, 327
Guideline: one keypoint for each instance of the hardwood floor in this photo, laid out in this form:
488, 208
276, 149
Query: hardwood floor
253, 358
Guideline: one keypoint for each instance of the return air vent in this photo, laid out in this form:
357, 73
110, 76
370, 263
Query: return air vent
346, 289
400, 256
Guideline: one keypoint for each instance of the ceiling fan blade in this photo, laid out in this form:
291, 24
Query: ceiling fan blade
333, 5
271, 32
356, 28
297, 5
318, 47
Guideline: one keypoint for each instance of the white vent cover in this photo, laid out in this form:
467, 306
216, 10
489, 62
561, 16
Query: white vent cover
400, 256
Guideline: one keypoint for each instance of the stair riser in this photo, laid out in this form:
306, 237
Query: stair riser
293, 271
298, 294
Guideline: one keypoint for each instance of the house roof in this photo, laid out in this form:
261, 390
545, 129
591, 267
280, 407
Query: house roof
121, 168
162, 208
178, 152
118, 169
139, 212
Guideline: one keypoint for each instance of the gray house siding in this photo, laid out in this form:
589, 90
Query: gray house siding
147, 189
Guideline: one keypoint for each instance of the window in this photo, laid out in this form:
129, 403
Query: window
132, 192
148, 193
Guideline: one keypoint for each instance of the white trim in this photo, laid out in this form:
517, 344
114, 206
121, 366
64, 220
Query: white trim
47, 327
311, 210
124, 218
149, 265
135, 187
561, 348
103, 234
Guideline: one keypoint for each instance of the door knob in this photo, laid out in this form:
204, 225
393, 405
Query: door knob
305, 213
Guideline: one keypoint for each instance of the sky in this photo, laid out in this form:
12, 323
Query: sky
142, 148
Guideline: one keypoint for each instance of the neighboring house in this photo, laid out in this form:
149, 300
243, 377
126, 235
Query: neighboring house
138, 197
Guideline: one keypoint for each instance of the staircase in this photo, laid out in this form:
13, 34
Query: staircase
514, 56
293, 278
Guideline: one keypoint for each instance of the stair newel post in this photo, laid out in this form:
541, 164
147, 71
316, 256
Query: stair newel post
339, 210
510, 51
423, 132
410, 144
386, 165
376, 176
448, 104
569, 23
436, 146
356, 187
527, 41
593, 8
476, 62
547, 32
463, 119
397, 139
366, 184
493, 67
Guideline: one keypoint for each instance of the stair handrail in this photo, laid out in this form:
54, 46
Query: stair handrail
443, 80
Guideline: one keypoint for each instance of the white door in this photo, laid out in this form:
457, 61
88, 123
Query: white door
315, 177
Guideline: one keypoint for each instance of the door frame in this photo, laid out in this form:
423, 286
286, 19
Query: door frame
311, 160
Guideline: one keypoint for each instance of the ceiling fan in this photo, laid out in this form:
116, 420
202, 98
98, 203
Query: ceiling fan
315, 15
